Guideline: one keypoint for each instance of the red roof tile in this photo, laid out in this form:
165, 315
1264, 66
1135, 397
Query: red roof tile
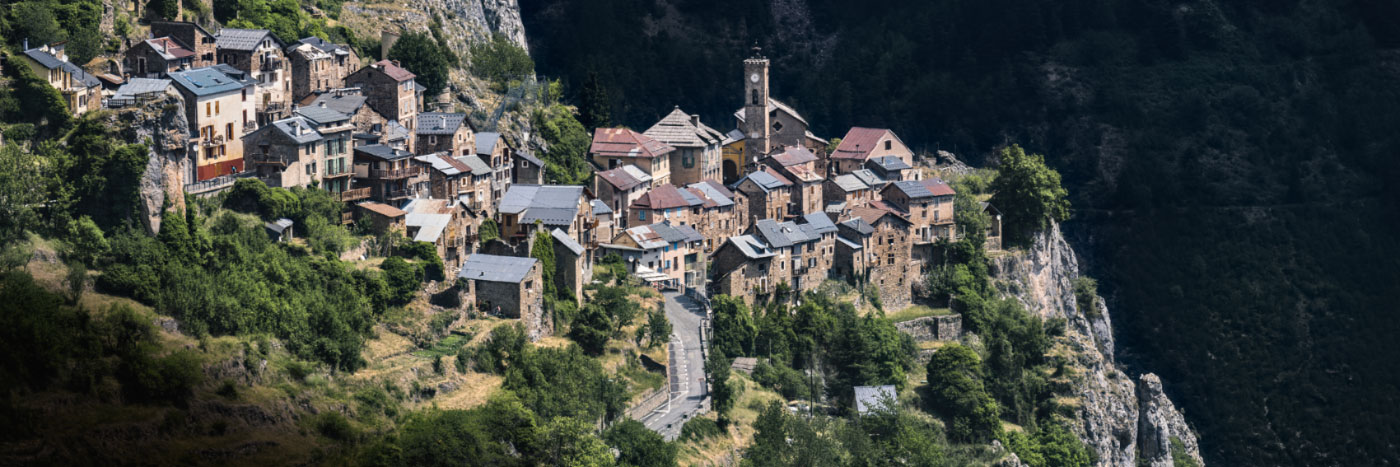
667, 197
794, 155
938, 187
872, 212
174, 48
394, 71
622, 142
858, 143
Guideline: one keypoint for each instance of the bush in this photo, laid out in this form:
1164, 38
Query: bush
790, 383
1086, 295
639, 446
335, 426
699, 429
500, 61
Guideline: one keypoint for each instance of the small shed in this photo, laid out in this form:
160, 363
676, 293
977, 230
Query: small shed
279, 230
875, 398
993, 226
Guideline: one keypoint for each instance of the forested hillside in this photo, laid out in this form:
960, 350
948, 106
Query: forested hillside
1230, 165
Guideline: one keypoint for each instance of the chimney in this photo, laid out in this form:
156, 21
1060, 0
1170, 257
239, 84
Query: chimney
396, 63
444, 120
26, 43
321, 104
695, 120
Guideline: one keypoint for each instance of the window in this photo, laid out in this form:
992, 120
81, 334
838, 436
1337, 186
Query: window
432, 139
641, 215
777, 126
208, 109
228, 130
889, 145
753, 96
216, 107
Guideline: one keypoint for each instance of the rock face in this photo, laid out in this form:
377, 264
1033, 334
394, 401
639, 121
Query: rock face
1119, 419
162, 126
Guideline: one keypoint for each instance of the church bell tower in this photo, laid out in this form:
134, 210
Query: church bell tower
757, 129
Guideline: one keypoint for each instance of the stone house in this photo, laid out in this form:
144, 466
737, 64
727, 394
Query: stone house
526, 208
724, 213
292, 153
337, 133
81, 91
528, 169
572, 266
616, 147
862, 144
390, 89
439, 132
510, 287
928, 204
697, 147
259, 53
191, 36
318, 66
769, 194
497, 153
874, 247
619, 188
848, 189
351, 102
741, 268
459, 177
993, 226
215, 109
797, 254
391, 174
442, 223
799, 165
675, 251
765, 123
156, 58
383, 217
604, 224
665, 203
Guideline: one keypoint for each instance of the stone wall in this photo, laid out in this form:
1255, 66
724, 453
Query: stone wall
933, 328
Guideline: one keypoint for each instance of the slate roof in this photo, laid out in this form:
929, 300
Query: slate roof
440, 123
774, 104
859, 142
783, 235
794, 155
859, 226
625, 177
529, 157
667, 196
49, 61
766, 179
343, 103
298, 129
676, 129
205, 81
486, 142
869, 398
492, 268
242, 39
322, 115
849, 183
820, 222
622, 142
752, 247
448, 165
235, 73
869, 177
568, 242
139, 86
599, 207
916, 189
393, 131
169, 49
393, 71
382, 152
663, 234
477, 166
888, 163
714, 194
551, 204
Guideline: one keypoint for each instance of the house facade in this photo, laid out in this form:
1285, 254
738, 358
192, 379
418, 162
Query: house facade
769, 194
526, 208
675, 251
873, 247
439, 132
697, 147
390, 90
80, 90
862, 144
259, 53
618, 188
191, 36
156, 58
509, 287
215, 106
319, 66
616, 147
391, 174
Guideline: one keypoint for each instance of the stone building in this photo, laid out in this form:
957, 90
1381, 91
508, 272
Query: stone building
497, 153
665, 203
527, 168
527, 208
572, 266
460, 177
215, 109
604, 224
675, 251
443, 223
390, 174
723, 214
439, 132
337, 133
81, 91
697, 146
741, 268
191, 36
390, 90
764, 123
292, 152
260, 54
383, 217
156, 58
862, 144
993, 226
797, 254
510, 287
799, 165
928, 204
848, 189
891, 169
616, 147
618, 188
351, 102
769, 194
873, 247
319, 66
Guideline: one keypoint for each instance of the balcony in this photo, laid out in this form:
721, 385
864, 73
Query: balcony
272, 106
271, 64
347, 217
267, 159
354, 194
214, 141
337, 173
393, 174
398, 194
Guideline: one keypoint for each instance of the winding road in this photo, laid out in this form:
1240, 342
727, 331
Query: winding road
686, 369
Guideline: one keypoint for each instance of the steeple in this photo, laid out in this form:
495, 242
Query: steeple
756, 128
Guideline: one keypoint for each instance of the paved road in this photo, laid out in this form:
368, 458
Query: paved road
687, 368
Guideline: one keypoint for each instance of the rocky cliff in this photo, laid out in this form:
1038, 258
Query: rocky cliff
1126, 422
161, 125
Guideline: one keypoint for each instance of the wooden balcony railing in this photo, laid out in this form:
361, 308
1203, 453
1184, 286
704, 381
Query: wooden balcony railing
393, 174
396, 194
354, 194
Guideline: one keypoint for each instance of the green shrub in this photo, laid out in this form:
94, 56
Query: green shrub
1086, 295
335, 426
699, 429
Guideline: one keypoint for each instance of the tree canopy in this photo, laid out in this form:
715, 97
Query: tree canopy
1029, 194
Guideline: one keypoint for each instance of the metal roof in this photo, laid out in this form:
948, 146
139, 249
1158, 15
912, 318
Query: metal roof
279, 225
820, 222
849, 183
486, 142
243, 39
663, 234
751, 246
440, 123
430, 225
205, 81
492, 268
888, 163
551, 204
442, 163
138, 86
911, 188
567, 241
849, 244
380, 151
322, 115
298, 129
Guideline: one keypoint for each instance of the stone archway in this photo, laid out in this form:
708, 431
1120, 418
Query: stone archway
731, 171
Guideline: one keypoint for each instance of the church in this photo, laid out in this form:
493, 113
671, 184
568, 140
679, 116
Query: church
764, 125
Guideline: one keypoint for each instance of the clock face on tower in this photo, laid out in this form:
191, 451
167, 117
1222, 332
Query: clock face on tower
753, 77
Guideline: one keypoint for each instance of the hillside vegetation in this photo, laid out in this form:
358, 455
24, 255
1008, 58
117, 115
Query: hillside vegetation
1230, 164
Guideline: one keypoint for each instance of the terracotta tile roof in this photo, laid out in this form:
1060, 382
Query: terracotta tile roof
169, 49
625, 177
858, 143
937, 186
793, 155
622, 142
667, 197
382, 209
394, 72
871, 213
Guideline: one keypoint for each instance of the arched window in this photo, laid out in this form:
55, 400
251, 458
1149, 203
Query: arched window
754, 94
